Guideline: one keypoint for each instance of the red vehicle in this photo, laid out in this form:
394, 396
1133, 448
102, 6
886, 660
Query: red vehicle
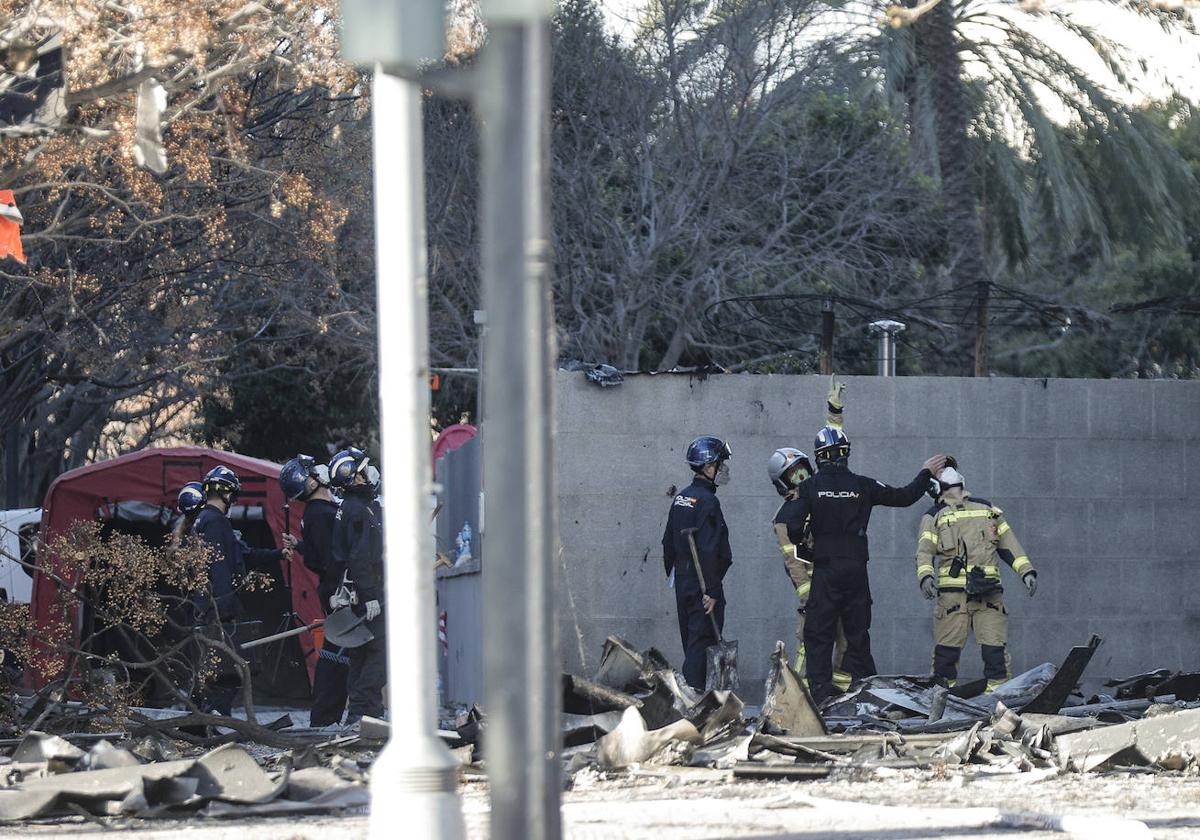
136, 494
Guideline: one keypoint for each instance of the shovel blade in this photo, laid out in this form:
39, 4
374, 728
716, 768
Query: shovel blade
721, 673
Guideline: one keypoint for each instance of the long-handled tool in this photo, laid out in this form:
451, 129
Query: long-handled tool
287, 634
721, 672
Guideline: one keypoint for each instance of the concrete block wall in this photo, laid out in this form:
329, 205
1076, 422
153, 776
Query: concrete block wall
1099, 479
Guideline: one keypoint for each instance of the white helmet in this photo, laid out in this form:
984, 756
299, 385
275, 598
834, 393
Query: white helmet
787, 467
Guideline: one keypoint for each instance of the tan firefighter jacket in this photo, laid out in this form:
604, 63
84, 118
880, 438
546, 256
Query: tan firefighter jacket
974, 526
797, 560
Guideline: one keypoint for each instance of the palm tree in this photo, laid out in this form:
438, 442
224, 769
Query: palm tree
1012, 129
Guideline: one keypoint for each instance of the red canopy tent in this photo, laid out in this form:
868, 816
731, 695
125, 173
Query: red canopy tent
150, 479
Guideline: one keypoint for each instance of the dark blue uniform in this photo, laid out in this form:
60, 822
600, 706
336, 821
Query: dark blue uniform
836, 504
696, 506
332, 672
358, 547
221, 602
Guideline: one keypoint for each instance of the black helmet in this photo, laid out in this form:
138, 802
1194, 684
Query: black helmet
221, 479
706, 450
832, 445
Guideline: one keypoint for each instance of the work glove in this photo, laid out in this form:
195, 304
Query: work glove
928, 589
835, 394
1030, 581
373, 610
340, 598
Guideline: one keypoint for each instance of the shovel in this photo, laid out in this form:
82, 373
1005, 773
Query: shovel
721, 672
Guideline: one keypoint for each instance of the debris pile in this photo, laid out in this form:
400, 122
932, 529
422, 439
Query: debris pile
637, 712
154, 763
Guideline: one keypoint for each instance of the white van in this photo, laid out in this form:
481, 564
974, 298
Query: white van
18, 542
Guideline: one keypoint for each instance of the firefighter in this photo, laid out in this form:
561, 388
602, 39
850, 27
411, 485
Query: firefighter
220, 607
961, 540
695, 521
358, 547
787, 468
834, 506
304, 480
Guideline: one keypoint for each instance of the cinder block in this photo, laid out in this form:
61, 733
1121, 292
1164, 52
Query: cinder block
1174, 527
928, 408
1120, 409
1176, 409
1083, 475
1152, 469
1056, 407
1023, 467
1055, 528
1120, 528
870, 407
989, 408
1191, 484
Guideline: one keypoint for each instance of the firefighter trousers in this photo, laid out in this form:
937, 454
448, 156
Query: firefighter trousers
840, 591
841, 679
954, 618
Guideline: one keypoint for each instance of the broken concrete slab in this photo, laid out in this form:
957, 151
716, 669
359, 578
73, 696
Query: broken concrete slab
788, 706
716, 713
620, 664
581, 696
227, 773
1167, 740
1051, 698
39, 746
631, 743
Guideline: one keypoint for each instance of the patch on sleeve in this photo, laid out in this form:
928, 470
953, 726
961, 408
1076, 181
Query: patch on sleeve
685, 501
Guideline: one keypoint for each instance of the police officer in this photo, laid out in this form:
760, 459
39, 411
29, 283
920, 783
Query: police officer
786, 468
230, 556
358, 547
836, 504
695, 519
304, 480
961, 538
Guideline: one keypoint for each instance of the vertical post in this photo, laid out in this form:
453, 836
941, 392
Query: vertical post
826, 337
414, 780
981, 327
521, 665
887, 345
12, 466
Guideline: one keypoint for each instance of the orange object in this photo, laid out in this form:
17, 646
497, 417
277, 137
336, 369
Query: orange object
318, 636
10, 227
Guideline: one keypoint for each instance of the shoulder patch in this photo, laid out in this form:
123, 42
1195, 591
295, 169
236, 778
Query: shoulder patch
685, 501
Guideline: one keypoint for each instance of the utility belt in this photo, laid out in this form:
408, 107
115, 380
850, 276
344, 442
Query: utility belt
977, 584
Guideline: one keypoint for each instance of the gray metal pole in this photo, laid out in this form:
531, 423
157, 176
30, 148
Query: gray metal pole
521, 665
414, 781
887, 330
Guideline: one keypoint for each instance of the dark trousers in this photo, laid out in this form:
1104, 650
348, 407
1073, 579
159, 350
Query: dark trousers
330, 685
368, 676
695, 628
840, 590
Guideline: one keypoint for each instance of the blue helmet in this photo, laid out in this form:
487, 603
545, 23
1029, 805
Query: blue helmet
706, 450
222, 480
832, 445
192, 497
345, 465
294, 476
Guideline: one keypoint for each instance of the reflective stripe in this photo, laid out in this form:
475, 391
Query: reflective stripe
787, 550
1003, 529
803, 589
955, 515
992, 685
1021, 564
928, 536
924, 570
841, 679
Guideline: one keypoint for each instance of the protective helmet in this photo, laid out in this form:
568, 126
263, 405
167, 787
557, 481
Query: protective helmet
295, 475
706, 450
787, 467
831, 445
345, 465
222, 480
192, 497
